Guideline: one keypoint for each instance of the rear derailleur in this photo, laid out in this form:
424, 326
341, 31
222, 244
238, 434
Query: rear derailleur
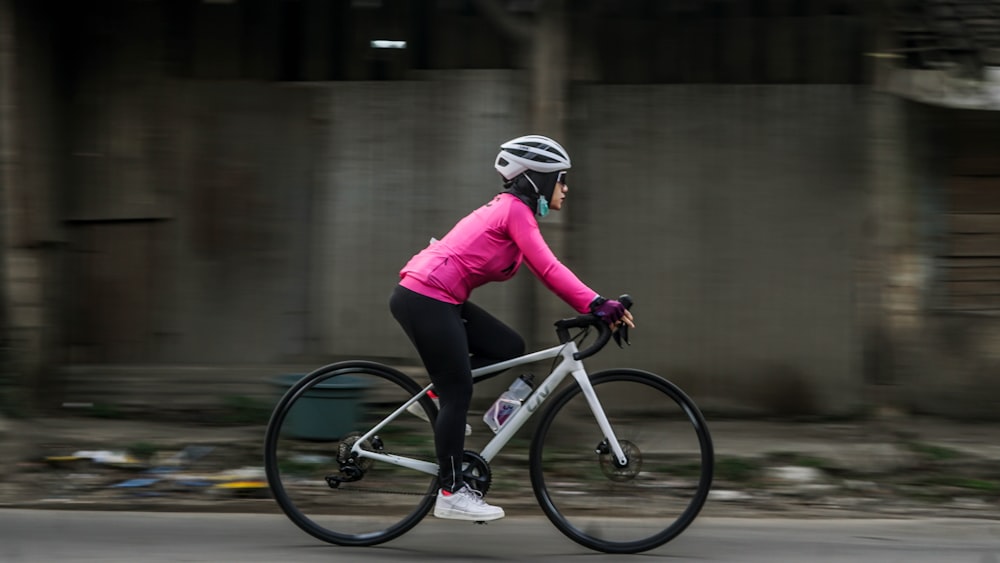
352, 467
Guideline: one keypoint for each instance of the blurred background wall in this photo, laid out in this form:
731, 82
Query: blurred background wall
201, 194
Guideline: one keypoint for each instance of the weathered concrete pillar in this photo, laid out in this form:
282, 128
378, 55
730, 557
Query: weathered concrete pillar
7, 159
12, 443
27, 175
896, 266
543, 44
893, 271
549, 84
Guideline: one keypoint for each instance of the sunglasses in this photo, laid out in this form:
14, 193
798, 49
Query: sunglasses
561, 178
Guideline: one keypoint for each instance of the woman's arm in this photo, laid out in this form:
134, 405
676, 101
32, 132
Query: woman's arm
524, 231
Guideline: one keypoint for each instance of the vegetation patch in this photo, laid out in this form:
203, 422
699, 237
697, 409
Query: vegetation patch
238, 409
106, 410
933, 452
738, 469
142, 450
963, 482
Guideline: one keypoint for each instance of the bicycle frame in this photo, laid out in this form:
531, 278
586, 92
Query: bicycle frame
568, 366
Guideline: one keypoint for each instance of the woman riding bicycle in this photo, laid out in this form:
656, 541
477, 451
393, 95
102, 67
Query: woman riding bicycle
454, 336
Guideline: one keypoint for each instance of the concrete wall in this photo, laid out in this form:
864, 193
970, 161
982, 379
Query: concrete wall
730, 213
287, 214
733, 215
404, 162
940, 339
205, 266
166, 204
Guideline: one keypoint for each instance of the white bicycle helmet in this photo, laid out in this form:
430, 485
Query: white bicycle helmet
531, 152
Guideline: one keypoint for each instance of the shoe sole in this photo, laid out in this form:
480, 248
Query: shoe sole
449, 514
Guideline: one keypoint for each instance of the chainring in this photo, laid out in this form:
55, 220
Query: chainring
476, 472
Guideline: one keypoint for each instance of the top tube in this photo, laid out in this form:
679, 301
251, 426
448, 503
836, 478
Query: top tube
563, 327
482, 373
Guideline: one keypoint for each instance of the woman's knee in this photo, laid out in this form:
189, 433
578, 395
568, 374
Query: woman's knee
454, 390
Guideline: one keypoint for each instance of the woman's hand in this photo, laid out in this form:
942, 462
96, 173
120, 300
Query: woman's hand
613, 312
627, 319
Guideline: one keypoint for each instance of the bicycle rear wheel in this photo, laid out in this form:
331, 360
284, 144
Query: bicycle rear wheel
313, 477
649, 501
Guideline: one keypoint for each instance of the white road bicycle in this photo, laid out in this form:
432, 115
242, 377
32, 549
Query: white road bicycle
621, 461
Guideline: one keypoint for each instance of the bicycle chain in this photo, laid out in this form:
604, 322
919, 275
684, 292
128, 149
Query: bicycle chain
480, 482
382, 491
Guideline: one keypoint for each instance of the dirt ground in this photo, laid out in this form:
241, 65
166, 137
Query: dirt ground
901, 468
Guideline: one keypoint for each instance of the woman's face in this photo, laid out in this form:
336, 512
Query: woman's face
559, 193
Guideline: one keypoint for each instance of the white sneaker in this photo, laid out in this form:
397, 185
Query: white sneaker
416, 410
466, 504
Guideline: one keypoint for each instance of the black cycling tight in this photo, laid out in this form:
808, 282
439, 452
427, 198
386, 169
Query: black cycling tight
451, 340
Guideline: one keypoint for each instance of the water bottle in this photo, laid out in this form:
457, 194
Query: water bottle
508, 402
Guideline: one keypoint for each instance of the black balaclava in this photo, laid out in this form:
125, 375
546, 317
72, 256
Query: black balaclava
522, 187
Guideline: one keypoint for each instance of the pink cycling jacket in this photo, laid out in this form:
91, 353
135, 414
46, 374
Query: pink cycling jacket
489, 245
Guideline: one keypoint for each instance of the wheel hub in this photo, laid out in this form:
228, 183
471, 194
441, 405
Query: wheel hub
610, 466
348, 459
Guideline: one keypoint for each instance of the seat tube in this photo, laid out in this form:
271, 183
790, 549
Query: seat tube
602, 419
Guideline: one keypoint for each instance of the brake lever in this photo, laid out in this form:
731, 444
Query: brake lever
621, 335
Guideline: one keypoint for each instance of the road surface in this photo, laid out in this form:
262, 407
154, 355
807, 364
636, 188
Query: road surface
53, 536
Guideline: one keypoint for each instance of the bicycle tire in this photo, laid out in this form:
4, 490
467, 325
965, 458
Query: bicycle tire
630, 509
312, 427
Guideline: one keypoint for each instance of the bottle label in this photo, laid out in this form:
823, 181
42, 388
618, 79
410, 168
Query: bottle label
501, 410
504, 410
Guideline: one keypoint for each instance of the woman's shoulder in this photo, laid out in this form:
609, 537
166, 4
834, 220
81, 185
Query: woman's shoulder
501, 199
500, 206
511, 214
510, 204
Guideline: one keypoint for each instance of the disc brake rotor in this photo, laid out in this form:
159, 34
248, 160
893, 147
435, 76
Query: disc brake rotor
612, 469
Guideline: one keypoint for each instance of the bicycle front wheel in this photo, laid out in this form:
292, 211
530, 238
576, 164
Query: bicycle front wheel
325, 490
615, 508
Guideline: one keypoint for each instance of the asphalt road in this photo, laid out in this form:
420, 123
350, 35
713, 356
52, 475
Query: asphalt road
53, 536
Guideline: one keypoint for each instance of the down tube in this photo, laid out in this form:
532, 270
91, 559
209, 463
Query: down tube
531, 404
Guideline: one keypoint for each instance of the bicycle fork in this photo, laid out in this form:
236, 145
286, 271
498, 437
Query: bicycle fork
602, 419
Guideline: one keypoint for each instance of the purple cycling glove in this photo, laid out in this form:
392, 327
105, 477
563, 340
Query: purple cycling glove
608, 309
